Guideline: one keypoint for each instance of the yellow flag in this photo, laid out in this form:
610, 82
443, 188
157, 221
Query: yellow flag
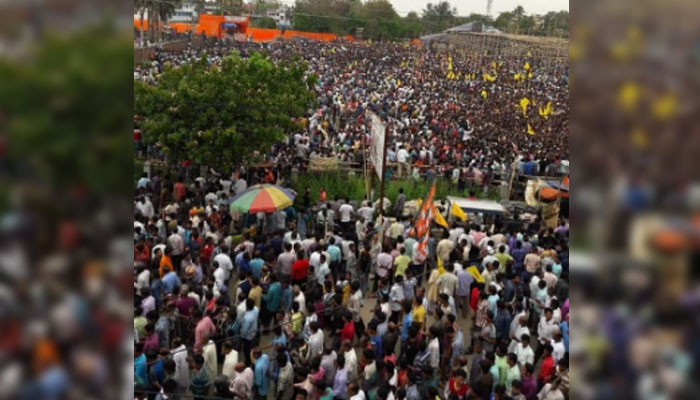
438, 217
474, 272
527, 66
449, 63
524, 102
530, 131
665, 107
516, 77
629, 95
440, 267
484, 93
547, 111
529, 75
458, 212
489, 78
398, 82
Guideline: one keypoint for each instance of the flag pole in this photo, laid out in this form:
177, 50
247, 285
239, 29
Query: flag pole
382, 179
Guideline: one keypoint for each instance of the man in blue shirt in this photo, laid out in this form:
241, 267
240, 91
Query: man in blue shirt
242, 260
406, 323
262, 365
140, 367
256, 265
564, 328
249, 329
170, 281
287, 296
334, 252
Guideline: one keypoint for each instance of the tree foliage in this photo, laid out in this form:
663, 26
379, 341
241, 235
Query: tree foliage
379, 19
265, 22
222, 115
59, 112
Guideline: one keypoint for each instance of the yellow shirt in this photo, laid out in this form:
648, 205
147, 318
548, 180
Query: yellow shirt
256, 295
419, 315
401, 264
297, 323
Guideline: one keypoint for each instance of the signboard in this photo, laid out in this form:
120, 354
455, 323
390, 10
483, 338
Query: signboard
376, 146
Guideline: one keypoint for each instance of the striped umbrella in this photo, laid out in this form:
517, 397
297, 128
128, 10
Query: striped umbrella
263, 198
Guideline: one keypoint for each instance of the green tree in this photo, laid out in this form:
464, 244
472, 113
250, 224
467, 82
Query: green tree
440, 16
222, 115
265, 22
59, 114
411, 26
554, 23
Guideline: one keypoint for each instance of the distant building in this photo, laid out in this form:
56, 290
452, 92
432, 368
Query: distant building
282, 15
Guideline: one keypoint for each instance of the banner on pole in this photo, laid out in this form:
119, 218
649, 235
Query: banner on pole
376, 146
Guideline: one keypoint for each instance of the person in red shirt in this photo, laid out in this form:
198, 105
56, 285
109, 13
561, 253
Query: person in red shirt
456, 385
300, 269
348, 331
474, 299
208, 249
179, 190
547, 370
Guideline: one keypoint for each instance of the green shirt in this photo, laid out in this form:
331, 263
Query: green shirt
503, 368
503, 259
401, 264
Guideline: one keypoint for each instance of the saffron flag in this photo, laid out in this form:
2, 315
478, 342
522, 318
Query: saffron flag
458, 212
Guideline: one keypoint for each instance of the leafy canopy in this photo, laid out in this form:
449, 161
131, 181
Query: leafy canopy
223, 115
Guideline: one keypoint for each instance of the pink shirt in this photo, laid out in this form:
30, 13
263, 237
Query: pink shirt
204, 328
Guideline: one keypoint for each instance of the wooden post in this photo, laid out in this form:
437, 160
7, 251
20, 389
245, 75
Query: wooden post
381, 182
381, 188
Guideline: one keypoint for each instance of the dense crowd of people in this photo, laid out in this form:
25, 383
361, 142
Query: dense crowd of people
465, 127
325, 299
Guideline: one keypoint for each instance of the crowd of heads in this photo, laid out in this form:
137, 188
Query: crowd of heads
277, 305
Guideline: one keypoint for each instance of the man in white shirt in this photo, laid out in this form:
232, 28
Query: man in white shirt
396, 298
143, 280
345, 211
145, 207
402, 157
366, 212
210, 360
350, 360
230, 360
241, 186
434, 347
300, 298
224, 262
315, 342
546, 327
558, 349
447, 282
524, 352
182, 368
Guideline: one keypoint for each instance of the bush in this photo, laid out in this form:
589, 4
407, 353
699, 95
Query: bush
353, 187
